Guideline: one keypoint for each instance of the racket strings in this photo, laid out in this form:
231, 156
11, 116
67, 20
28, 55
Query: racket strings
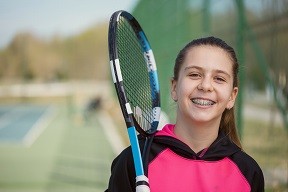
135, 74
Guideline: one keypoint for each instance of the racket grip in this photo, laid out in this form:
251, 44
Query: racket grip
142, 184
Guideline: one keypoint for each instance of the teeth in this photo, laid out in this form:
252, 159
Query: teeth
203, 102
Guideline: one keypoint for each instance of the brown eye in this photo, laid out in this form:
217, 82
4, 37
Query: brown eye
220, 79
194, 75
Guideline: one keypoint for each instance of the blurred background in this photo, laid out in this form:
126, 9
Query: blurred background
57, 100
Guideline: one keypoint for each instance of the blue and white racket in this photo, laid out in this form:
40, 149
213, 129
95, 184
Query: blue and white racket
135, 78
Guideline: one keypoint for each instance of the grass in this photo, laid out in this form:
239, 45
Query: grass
269, 147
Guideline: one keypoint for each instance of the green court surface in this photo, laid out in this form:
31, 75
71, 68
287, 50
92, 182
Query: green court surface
69, 155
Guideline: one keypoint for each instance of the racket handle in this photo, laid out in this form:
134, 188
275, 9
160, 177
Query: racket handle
142, 184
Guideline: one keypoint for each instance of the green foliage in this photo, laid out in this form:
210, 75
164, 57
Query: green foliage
79, 57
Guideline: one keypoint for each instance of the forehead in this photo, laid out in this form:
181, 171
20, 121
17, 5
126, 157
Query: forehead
210, 57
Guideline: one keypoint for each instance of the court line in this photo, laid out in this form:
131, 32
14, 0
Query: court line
110, 131
38, 127
6, 118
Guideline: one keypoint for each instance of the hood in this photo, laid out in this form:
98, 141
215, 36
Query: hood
220, 148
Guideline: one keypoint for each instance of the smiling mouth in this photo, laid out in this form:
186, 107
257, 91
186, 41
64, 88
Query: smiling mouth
203, 102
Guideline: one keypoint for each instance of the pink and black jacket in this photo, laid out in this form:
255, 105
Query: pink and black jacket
174, 167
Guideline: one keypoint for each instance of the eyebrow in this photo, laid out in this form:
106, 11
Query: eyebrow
200, 68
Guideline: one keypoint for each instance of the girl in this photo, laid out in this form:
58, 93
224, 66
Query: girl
201, 151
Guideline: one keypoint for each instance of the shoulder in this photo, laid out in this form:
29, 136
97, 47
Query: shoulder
245, 161
126, 157
250, 170
122, 172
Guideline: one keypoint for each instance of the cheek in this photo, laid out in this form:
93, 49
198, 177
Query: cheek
183, 89
226, 95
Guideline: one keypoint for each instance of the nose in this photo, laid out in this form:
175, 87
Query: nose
205, 85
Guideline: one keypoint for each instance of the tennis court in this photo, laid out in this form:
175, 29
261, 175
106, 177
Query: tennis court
47, 148
22, 124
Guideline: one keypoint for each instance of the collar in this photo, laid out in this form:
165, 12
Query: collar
220, 148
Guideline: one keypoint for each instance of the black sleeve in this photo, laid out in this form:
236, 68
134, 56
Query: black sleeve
122, 173
258, 182
251, 170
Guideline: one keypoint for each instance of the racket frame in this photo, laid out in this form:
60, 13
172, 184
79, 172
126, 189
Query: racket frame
142, 183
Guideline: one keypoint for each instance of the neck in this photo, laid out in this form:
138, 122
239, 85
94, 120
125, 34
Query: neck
197, 136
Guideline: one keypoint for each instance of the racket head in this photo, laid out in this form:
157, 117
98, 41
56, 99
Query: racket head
134, 73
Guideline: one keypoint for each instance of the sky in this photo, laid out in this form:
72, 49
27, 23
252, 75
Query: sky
47, 18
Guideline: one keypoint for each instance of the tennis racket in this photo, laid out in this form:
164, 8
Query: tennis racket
135, 78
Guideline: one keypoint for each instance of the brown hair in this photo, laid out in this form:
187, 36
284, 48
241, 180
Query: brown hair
227, 123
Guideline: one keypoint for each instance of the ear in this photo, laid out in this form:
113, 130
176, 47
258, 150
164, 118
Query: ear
232, 98
173, 90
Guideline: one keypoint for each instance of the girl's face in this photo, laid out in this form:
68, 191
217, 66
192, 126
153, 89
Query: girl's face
205, 85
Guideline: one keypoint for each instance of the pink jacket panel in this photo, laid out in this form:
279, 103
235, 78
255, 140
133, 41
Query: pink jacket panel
188, 175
